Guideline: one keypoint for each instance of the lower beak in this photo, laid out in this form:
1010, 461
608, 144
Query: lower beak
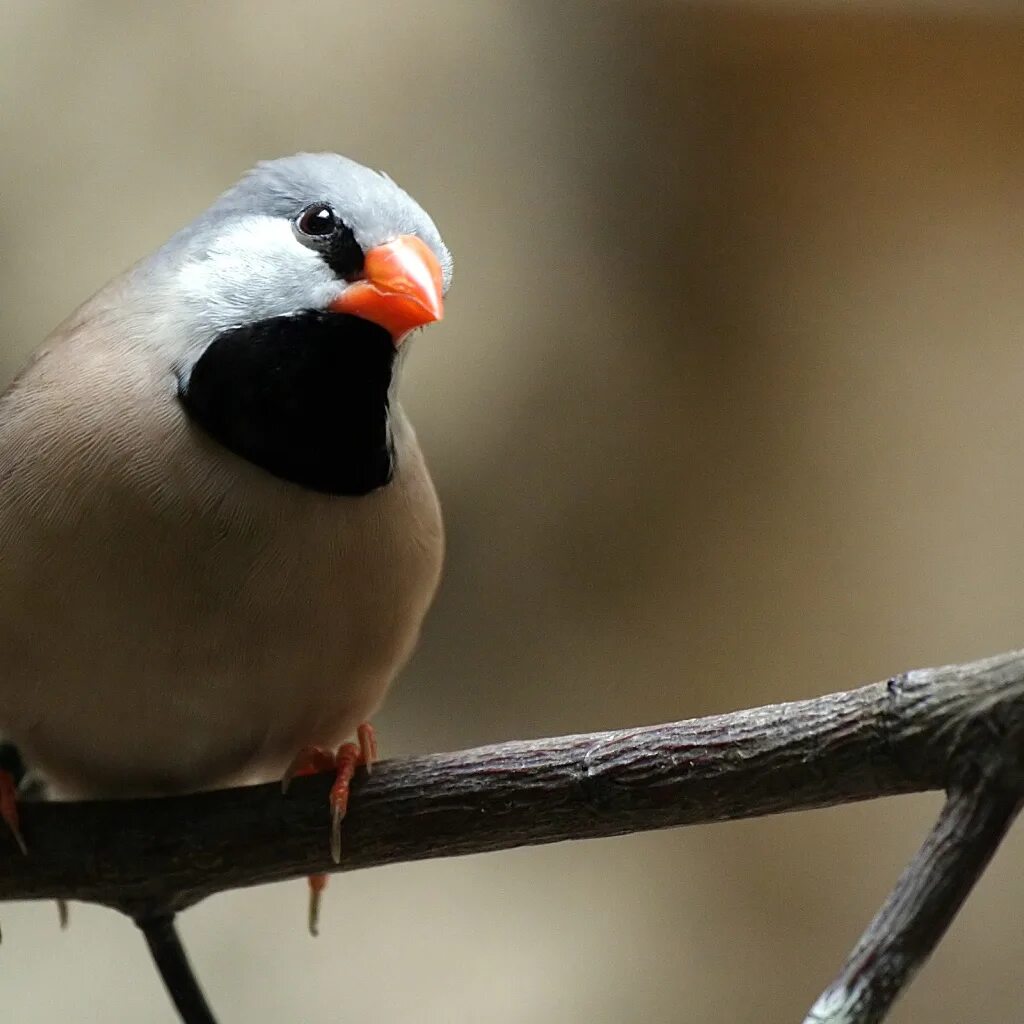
399, 290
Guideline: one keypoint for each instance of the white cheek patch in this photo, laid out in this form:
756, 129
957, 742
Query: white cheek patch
255, 270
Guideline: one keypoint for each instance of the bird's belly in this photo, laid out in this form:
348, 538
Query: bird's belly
145, 698
193, 655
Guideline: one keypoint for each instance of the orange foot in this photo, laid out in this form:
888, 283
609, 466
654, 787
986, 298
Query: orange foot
9, 808
9, 789
344, 762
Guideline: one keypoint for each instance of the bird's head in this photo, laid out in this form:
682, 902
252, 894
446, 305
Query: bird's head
291, 297
311, 232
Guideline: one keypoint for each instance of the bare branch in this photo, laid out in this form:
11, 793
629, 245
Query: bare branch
921, 907
175, 970
927, 729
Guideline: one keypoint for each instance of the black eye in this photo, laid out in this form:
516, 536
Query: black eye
318, 220
319, 228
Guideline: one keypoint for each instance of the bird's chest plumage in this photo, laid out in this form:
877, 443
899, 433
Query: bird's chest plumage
230, 617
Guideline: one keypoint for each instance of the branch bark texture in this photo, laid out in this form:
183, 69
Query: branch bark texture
958, 728
921, 907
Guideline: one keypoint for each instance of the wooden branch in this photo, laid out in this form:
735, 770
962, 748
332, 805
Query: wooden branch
958, 728
173, 965
921, 907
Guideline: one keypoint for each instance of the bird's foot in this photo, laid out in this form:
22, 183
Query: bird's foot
15, 782
9, 808
344, 762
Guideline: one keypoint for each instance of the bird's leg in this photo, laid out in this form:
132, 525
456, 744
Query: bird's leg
9, 808
344, 762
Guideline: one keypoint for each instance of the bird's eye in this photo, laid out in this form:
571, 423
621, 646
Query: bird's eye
318, 220
319, 228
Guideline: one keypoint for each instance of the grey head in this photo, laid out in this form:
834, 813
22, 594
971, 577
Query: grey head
245, 259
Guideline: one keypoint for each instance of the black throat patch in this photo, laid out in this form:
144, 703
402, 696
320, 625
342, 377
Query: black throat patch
305, 397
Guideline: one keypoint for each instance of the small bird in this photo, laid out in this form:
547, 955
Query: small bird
219, 534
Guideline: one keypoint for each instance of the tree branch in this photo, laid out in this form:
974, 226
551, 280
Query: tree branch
958, 728
172, 963
919, 910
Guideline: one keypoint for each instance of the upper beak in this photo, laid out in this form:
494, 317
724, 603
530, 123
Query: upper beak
400, 288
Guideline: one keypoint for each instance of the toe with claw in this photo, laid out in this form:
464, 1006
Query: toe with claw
344, 763
9, 808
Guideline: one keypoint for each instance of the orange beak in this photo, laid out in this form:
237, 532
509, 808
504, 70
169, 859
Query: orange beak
399, 290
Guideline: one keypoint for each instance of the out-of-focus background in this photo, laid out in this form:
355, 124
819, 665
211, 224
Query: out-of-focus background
726, 410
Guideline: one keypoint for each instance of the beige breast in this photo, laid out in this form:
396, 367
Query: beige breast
171, 617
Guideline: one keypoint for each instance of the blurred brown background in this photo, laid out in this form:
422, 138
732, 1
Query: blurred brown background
726, 410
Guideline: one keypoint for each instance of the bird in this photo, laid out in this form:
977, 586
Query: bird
220, 534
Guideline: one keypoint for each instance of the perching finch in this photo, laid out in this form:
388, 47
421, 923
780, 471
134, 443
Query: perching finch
219, 536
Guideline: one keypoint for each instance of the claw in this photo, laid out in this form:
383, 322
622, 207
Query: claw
347, 760
317, 884
9, 808
336, 815
344, 763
